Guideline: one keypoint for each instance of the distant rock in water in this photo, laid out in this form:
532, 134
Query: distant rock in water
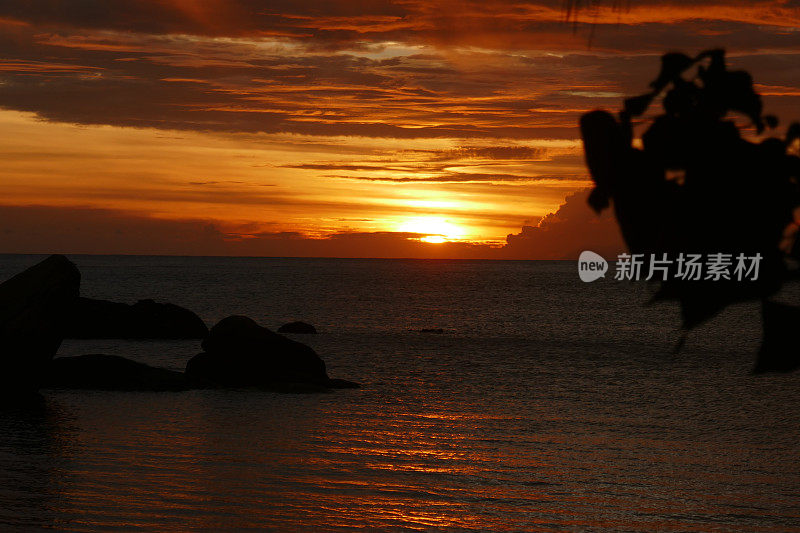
297, 327
240, 353
112, 372
33, 308
146, 319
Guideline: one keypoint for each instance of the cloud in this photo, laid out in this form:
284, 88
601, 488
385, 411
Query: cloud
41, 229
340, 23
458, 165
386, 69
414, 107
460, 177
574, 227
500, 153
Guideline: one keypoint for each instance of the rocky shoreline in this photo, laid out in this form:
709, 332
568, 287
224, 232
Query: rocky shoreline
41, 306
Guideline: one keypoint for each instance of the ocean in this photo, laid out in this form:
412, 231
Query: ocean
547, 404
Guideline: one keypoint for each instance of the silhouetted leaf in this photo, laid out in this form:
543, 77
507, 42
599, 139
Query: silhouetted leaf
605, 146
771, 121
637, 105
724, 174
665, 142
740, 96
672, 66
793, 132
682, 98
713, 75
717, 56
598, 200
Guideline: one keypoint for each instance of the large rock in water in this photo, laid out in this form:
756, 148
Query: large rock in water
33, 309
112, 372
240, 353
146, 319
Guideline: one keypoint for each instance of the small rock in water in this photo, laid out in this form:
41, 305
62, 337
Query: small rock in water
297, 327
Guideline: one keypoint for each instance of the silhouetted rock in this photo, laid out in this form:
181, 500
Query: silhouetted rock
297, 327
240, 353
146, 319
779, 351
112, 372
336, 383
33, 307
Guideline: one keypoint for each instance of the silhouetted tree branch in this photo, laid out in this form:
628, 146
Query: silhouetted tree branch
695, 184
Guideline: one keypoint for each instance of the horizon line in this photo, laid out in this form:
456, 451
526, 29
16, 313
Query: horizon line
200, 256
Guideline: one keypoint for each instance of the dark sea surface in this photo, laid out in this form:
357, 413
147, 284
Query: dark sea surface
547, 405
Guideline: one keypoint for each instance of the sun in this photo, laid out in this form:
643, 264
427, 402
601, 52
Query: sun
435, 230
434, 239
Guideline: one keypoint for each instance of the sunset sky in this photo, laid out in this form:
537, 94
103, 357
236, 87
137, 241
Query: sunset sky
382, 128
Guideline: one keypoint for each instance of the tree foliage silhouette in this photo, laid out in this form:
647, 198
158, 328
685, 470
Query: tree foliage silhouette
694, 183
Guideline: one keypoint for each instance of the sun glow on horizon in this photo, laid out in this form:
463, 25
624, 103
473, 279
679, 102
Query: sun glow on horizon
436, 230
434, 239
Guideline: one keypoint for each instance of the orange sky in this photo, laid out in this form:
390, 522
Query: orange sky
390, 128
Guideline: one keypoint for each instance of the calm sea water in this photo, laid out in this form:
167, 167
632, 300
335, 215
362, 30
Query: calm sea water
547, 404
